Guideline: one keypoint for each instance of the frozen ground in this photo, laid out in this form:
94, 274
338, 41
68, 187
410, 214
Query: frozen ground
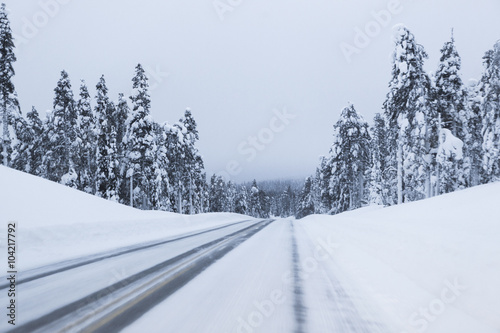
428, 266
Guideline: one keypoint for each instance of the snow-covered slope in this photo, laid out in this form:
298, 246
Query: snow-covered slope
428, 266
55, 222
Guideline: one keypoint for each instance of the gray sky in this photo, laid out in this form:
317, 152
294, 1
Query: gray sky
240, 65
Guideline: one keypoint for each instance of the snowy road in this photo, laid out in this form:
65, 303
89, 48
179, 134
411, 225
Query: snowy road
94, 292
277, 281
248, 276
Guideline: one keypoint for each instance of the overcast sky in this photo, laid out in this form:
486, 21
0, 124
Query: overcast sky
276, 70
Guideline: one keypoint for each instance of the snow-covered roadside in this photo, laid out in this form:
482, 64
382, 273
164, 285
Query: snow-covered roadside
56, 223
428, 266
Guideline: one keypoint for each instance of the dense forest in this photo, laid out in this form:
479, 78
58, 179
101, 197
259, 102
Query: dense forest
434, 136
116, 150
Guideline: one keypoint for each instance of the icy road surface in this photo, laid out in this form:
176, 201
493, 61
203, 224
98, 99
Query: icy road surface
277, 281
248, 276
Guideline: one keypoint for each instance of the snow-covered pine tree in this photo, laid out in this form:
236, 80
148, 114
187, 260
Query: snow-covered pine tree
410, 119
27, 153
176, 143
349, 160
286, 202
473, 140
449, 155
450, 100
140, 140
35, 145
200, 186
21, 152
241, 201
186, 167
160, 193
217, 194
231, 194
193, 164
85, 165
255, 202
61, 132
121, 117
316, 190
306, 202
490, 91
323, 185
379, 188
265, 204
107, 166
8, 98
450, 91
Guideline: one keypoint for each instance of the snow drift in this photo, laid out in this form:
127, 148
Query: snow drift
56, 223
429, 266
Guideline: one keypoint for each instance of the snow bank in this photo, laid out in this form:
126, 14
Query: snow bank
428, 266
56, 223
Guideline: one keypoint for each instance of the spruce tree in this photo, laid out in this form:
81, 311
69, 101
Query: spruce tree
323, 183
160, 186
490, 93
410, 119
192, 163
449, 155
255, 200
231, 194
27, 153
61, 126
36, 147
450, 91
241, 201
306, 202
473, 135
8, 98
286, 202
85, 156
107, 168
140, 140
450, 99
121, 118
22, 149
379, 189
176, 144
349, 160
217, 194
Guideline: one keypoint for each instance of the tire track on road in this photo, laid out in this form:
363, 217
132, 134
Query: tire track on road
143, 290
75, 263
298, 294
